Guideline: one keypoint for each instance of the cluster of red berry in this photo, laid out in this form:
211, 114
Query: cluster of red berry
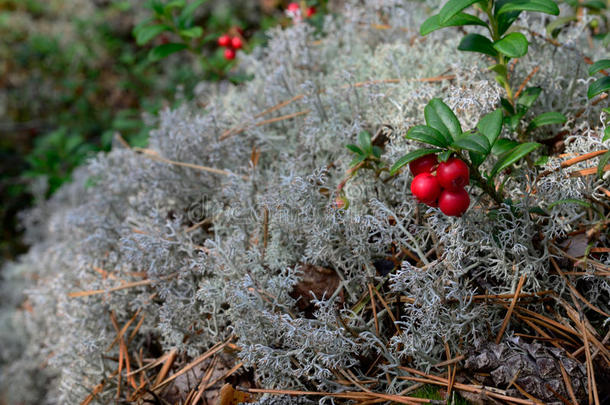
294, 9
231, 43
445, 189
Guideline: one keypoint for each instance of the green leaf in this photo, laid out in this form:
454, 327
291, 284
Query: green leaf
514, 155
513, 45
433, 23
606, 134
377, 151
541, 161
146, 33
162, 51
452, 7
441, 118
499, 69
477, 43
528, 97
409, 157
490, 125
194, 32
426, 134
174, 4
503, 145
547, 118
541, 6
597, 5
355, 149
364, 139
444, 155
507, 105
553, 27
191, 7
599, 86
569, 201
357, 160
473, 143
598, 66
476, 158
603, 160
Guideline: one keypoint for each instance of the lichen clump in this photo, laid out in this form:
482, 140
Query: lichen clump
218, 253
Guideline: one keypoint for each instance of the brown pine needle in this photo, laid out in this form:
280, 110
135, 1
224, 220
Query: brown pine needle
169, 361
568, 384
527, 395
587, 172
385, 305
140, 283
450, 361
582, 158
122, 331
374, 309
510, 309
527, 79
155, 156
215, 349
347, 395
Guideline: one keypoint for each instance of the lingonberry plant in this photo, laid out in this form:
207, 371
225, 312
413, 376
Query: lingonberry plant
461, 154
502, 46
598, 87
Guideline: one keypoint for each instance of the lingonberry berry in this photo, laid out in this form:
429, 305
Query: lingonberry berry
424, 164
293, 7
454, 203
310, 11
229, 54
224, 40
236, 43
453, 174
425, 188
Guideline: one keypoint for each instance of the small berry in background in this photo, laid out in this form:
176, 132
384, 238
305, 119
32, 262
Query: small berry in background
229, 54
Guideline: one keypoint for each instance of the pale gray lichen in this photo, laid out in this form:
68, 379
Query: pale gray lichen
222, 250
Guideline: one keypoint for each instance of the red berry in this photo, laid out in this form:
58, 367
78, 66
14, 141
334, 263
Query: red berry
236, 43
310, 11
454, 203
426, 188
424, 164
341, 203
229, 54
224, 40
293, 7
453, 174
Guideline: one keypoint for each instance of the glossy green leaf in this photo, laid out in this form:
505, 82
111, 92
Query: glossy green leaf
364, 139
440, 117
508, 107
599, 86
433, 23
426, 134
499, 69
194, 32
357, 160
174, 4
476, 158
452, 7
503, 145
409, 157
146, 33
541, 6
569, 201
528, 97
547, 118
606, 134
542, 160
477, 43
603, 160
514, 155
513, 45
490, 125
598, 66
473, 143
355, 149
165, 50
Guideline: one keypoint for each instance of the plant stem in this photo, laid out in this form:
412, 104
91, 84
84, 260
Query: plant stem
487, 186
